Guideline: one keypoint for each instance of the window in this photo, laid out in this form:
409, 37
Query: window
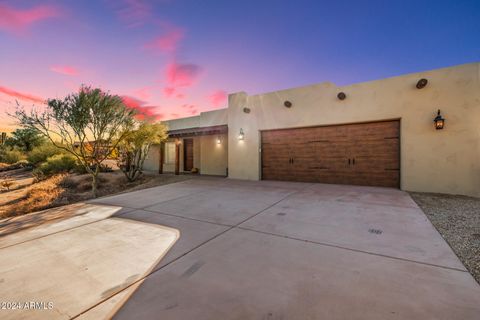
169, 152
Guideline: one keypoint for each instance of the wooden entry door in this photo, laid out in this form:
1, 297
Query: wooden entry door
187, 154
361, 154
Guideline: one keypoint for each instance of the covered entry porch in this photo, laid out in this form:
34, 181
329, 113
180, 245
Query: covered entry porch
200, 150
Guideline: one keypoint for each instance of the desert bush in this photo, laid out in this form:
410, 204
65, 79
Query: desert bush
42, 153
56, 164
11, 156
38, 175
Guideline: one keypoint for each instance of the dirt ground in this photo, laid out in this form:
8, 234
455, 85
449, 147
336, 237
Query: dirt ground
26, 196
457, 218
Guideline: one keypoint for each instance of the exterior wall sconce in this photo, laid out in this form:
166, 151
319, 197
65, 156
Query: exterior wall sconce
422, 83
241, 135
439, 121
219, 141
341, 96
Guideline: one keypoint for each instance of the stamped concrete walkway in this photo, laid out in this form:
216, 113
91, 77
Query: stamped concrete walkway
279, 250
260, 250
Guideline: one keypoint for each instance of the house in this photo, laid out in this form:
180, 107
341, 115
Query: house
376, 133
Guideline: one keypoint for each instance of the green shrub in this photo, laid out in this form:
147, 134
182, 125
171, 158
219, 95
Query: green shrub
11, 156
42, 153
23, 164
56, 164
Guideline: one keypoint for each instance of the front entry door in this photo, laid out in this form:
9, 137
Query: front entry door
187, 154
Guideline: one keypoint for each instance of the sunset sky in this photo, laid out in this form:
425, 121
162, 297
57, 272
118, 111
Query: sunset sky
176, 58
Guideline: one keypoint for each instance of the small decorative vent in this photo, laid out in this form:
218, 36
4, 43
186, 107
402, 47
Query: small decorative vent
246, 110
287, 104
375, 231
422, 83
341, 95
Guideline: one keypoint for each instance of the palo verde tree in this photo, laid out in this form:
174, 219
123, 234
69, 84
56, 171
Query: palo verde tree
88, 124
133, 150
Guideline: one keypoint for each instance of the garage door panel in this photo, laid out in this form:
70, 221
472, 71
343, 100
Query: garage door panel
379, 179
331, 164
382, 148
331, 149
375, 165
332, 133
322, 154
377, 130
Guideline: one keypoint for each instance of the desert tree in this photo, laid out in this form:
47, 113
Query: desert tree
134, 149
88, 124
25, 139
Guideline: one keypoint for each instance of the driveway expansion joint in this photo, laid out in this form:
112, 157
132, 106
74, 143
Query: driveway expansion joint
184, 254
351, 249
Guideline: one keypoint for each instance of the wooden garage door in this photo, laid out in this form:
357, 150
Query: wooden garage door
360, 154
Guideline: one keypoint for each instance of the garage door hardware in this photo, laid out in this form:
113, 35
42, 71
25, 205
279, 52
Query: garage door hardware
352, 161
375, 231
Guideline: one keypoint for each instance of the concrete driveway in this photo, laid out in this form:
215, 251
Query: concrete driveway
280, 250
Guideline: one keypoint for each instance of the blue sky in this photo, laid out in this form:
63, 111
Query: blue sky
177, 58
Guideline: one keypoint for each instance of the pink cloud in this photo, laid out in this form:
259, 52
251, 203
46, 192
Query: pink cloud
133, 13
144, 111
18, 20
182, 74
143, 93
218, 98
168, 91
22, 96
191, 109
65, 70
167, 43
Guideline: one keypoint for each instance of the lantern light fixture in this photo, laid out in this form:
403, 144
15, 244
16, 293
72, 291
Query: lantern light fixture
241, 135
219, 141
439, 121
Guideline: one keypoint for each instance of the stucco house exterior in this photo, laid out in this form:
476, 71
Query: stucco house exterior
377, 133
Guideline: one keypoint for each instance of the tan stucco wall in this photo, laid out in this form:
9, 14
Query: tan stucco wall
204, 119
446, 161
214, 156
153, 159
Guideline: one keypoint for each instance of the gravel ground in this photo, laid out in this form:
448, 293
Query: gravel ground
457, 218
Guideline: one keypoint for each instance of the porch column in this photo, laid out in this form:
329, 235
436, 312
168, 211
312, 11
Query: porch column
162, 155
177, 157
